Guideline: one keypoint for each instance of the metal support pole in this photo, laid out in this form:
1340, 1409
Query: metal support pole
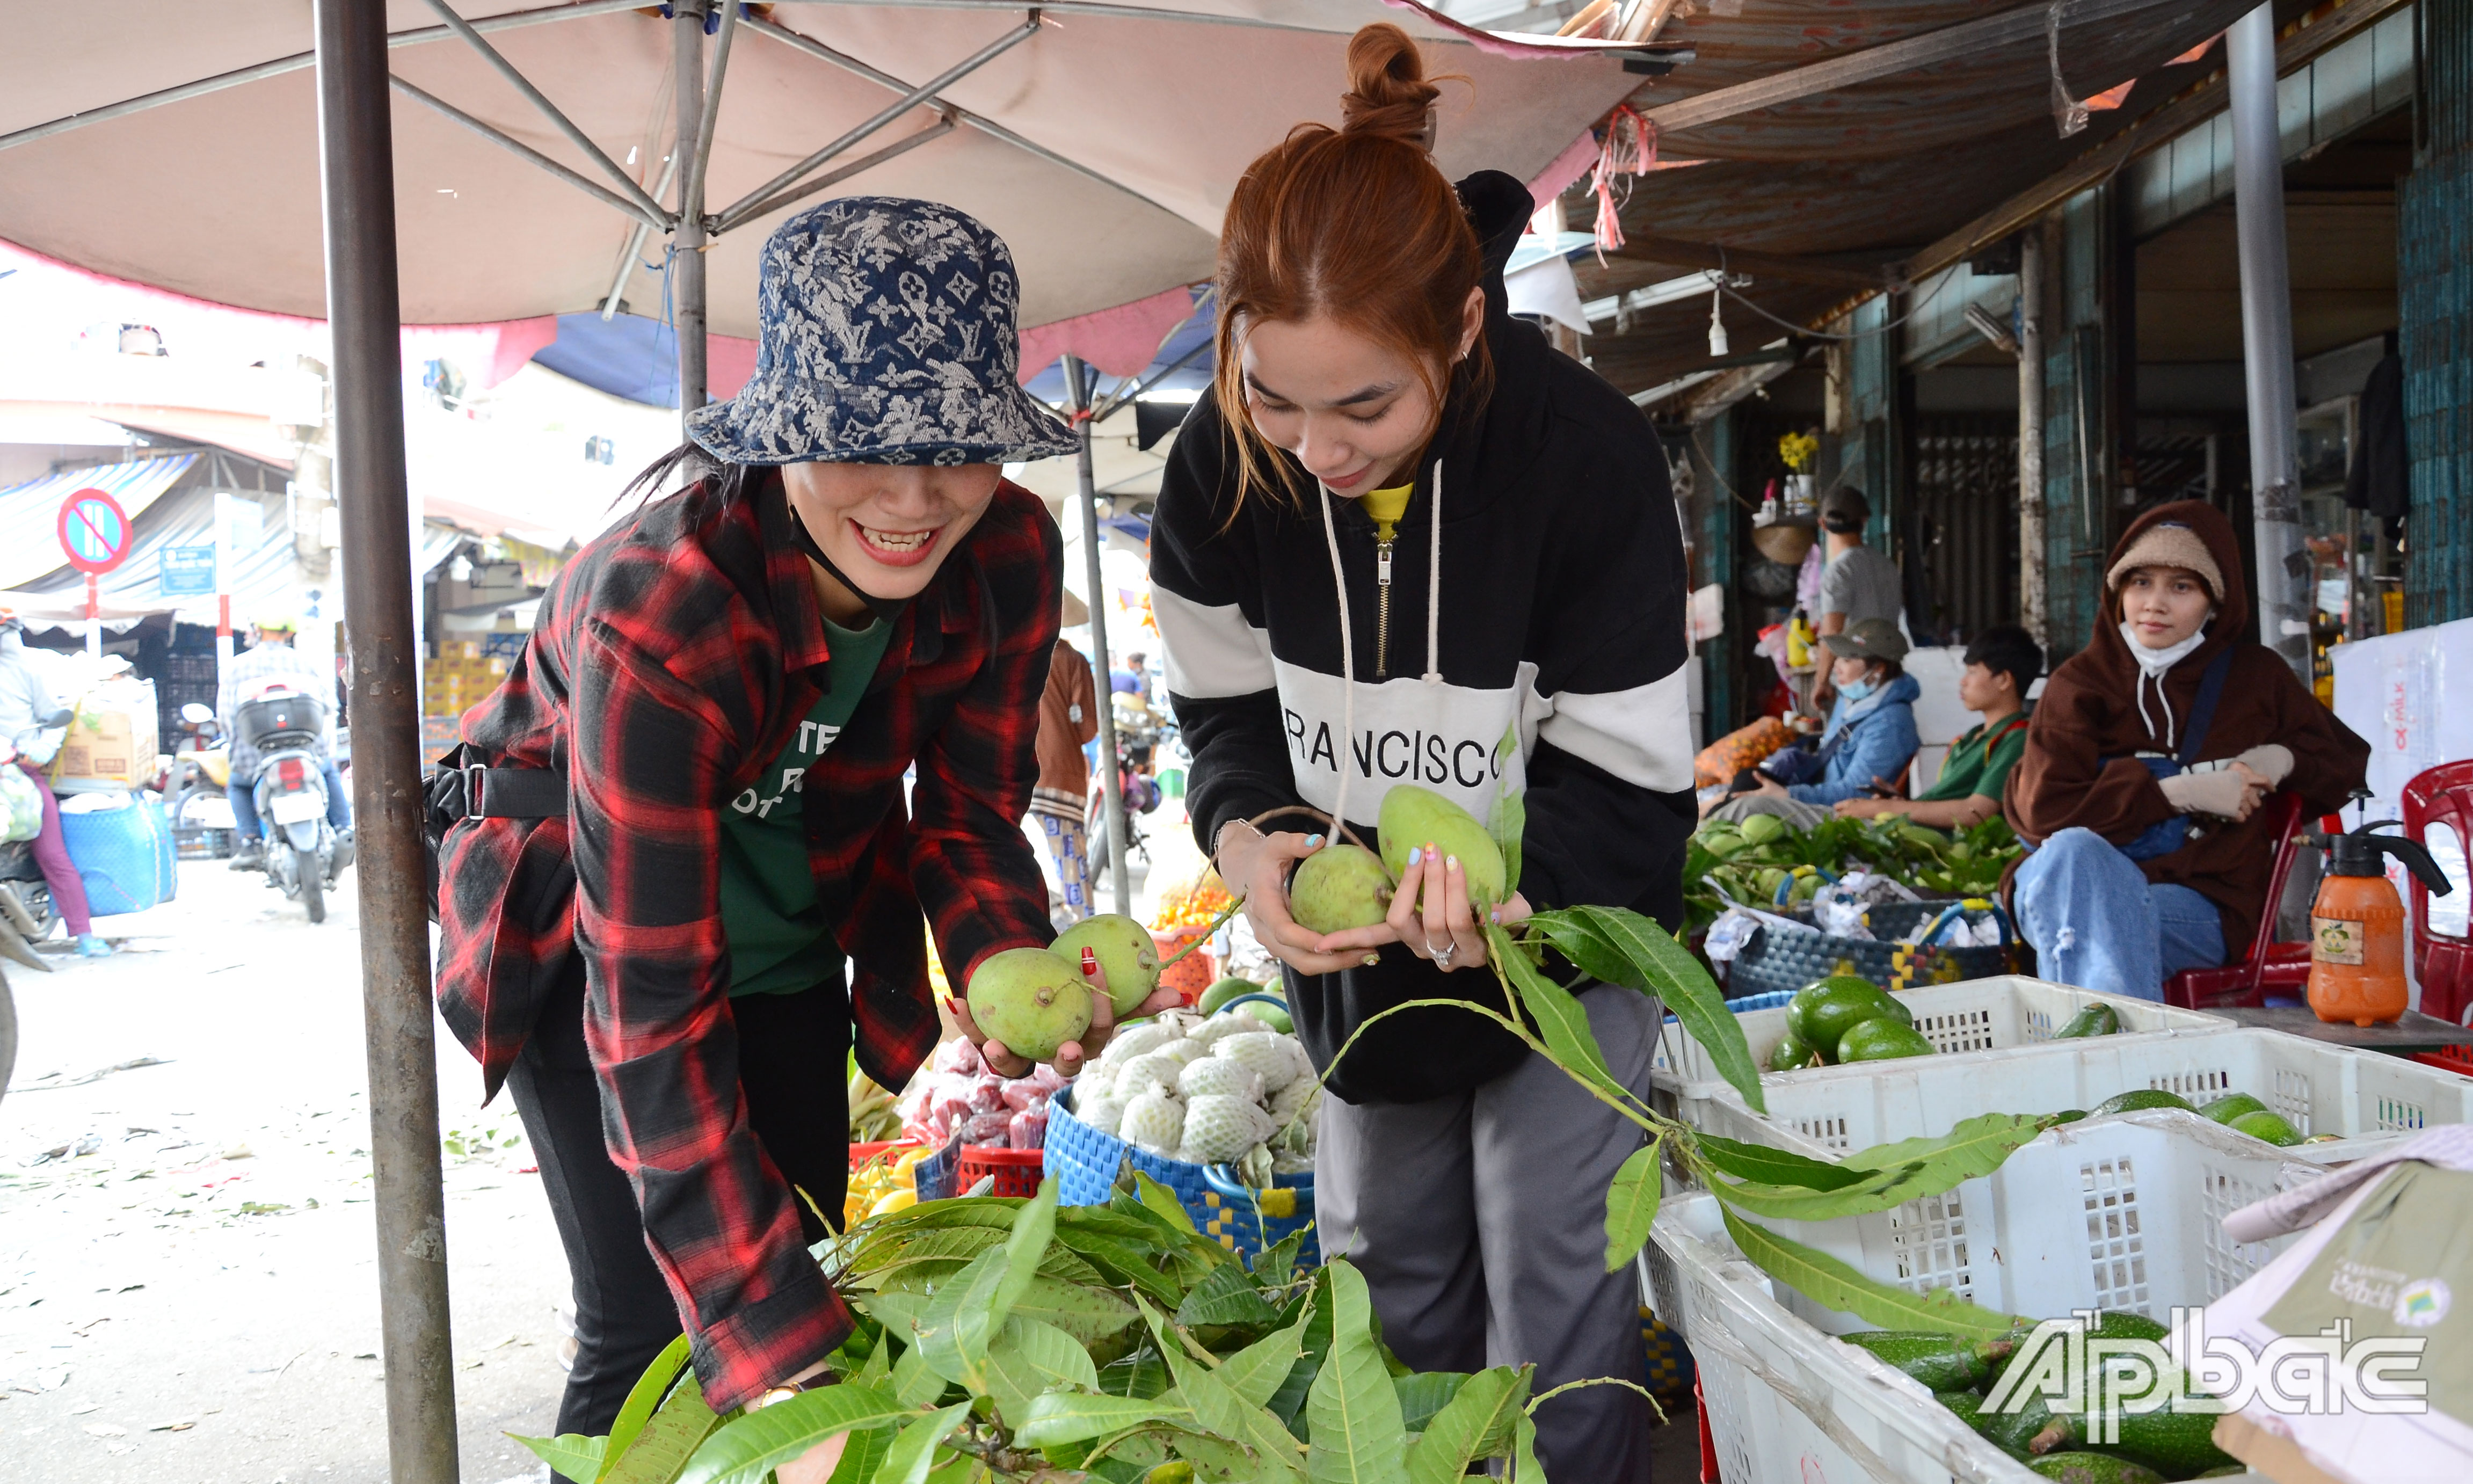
1077, 385
2266, 341
2034, 610
356, 161
687, 244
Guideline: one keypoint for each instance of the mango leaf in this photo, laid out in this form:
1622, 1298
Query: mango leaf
1832, 1284
945, 1244
915, 1381
1226, 1297
1123, 1457
1288, 1402
914, 1452
1971, 1150
1275, 1266
1426, 1393
1256, 1372
1358, 1437
570, 1454
679, 1426
1523, 1452
1496, 1440
748, 1446
1216, 1458
1561, 1022
1631, 1206
1669, 971
1105, 1221
877, 1367
1164, 1203
1879, 1190
1776, 1167
1222, 1413
1088, 1314
1069, 1417
952, 1466
646, 1395
1030, 1358
1141, 1374
1025, 1250
960, 1321
1121, 1262
1510, 809
862, 1455
1455, 1436
898, 1309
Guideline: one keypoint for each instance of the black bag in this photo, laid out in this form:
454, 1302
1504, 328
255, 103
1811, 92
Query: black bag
458, 788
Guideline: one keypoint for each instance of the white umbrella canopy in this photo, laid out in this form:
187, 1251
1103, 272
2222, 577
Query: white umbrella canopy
1102, 146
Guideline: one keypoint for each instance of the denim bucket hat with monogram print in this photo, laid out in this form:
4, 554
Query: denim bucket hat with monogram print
888, 337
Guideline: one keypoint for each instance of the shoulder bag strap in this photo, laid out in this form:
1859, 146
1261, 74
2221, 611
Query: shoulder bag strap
2202, 714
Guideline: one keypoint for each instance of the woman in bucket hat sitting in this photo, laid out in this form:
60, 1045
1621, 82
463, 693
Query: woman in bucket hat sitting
666, 948
2147, 761
1867, 746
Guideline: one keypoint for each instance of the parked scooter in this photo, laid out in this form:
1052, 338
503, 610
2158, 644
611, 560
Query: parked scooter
303, 852
27, 915
199, 782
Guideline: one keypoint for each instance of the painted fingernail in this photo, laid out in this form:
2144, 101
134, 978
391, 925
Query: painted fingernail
1416, 853
1090, 963
1314, 839
1372, 959
1451, 863
1495, 916
953, 1003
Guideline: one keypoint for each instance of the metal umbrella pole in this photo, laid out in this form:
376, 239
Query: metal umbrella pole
356, 150
686, 242
1077, 385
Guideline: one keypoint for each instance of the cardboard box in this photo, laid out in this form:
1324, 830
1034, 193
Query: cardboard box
111, 741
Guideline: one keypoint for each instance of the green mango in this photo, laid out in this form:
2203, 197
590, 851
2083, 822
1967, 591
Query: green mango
1823, 1010
2096, 1020
1032, 1000
2140, 1100
2177, 1443
1723, 845
1414, 817
2232, 1105
1941, 1362
2268, 1126
1791, 1053
1223, 992
1882, 1041
1127, 951
2076, 1468
1762, 828
1276, 1016
1339, 887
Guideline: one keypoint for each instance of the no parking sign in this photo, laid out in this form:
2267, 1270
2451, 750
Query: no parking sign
94, 532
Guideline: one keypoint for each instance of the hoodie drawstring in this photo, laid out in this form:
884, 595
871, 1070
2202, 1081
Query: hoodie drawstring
1434, 585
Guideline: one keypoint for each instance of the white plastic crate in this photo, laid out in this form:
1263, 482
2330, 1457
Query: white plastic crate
1960, 1020
1785, 1401
2363, 1096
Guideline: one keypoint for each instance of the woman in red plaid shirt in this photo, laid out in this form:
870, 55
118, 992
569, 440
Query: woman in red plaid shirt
685, 883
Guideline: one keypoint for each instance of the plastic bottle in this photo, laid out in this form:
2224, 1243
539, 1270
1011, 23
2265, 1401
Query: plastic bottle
2357, 928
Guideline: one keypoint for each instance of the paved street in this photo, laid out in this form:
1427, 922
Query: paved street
186, 1289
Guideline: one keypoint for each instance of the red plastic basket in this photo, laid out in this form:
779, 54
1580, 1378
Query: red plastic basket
2454, 1059
1016, 1171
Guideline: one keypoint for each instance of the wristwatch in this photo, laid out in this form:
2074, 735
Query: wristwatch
788, 1389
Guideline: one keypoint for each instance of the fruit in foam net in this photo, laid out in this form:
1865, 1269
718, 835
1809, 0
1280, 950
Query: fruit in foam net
1413, 818
1338, 887
1127, 954
1030, 999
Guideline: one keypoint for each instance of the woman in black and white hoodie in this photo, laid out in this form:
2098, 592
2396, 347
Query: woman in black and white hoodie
1399, 528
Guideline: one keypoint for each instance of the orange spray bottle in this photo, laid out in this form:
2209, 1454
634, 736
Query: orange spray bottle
2357, 928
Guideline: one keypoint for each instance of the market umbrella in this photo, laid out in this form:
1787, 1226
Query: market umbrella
467, 178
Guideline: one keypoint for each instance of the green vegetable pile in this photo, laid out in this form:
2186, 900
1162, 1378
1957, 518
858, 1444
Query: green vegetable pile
2153, 1446
1751, 861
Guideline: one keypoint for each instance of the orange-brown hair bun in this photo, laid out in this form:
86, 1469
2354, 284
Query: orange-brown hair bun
1353, 224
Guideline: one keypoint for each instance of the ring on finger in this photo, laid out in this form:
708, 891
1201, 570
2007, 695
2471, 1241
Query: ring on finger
1443, 957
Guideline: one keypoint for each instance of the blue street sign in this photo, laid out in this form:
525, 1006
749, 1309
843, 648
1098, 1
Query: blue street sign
188, 571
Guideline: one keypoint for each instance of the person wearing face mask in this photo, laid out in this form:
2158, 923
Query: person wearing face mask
2145, 763
1402, 540
683, 880
1870, 737
26, 705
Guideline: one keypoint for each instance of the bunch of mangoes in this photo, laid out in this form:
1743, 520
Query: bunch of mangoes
2238, 1111
2153, 1447
1841, 1018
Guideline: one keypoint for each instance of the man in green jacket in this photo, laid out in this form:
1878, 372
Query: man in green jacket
2001, 665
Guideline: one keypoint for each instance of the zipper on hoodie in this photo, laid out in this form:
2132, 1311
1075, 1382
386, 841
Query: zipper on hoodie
1383, 607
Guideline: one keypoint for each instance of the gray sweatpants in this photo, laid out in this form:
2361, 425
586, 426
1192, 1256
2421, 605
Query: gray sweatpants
1479, 1222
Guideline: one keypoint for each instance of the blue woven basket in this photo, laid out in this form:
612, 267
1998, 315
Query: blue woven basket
125, 856
1085, 1162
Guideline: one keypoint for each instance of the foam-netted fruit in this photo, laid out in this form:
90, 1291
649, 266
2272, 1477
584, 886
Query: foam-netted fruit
1137, 1039
1126, 953
1295, 1102
1217, 1076
1337, 888
1219, 1128
1153, 1123
1266, 1053
1239, 1021
1031, 1001
1103, 1114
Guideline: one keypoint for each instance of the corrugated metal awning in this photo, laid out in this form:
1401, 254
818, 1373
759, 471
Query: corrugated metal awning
29, 541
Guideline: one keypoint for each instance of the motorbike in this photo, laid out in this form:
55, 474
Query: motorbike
199, 783
304, 853
27, 915
1137, 740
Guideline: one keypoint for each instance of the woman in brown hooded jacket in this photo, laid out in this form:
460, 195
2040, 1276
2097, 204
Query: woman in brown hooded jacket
2147, 761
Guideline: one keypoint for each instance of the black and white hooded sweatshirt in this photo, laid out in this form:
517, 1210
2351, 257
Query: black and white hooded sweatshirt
1547, 601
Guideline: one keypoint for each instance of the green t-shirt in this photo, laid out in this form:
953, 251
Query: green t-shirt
779, 942
1979, 765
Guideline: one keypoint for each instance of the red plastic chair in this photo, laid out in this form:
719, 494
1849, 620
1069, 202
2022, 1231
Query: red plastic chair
2271, 967
2444, 966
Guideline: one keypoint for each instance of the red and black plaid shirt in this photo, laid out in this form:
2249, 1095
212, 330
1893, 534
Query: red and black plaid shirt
671, 663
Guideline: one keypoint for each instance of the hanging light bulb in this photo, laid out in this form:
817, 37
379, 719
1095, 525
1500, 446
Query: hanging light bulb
1716, 327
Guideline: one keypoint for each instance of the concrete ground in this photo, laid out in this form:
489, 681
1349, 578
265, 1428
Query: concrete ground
187, 1254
